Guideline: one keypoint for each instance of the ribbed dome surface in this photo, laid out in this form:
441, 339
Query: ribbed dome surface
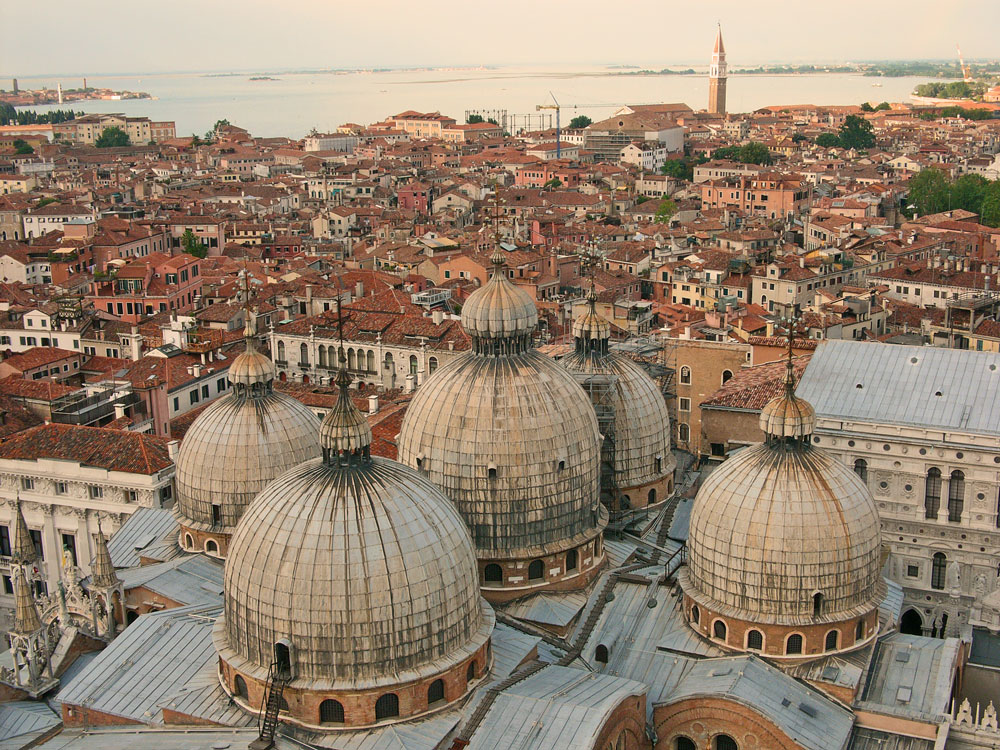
235, 448
777, 523
591, 326
499, 310
367, 570
642, 422
788, 416
519, 416
250, 368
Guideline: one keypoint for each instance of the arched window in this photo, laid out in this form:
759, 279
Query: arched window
832, 639
281, 351
817, 604
491, 473
432, 364
932, 493
352, 360
435, 692
322, 355
240, 688
938, 569
794, 644
724, 742
911, 623
685, 375
535, 570
719, 630
601, 654
859, 631
956, 496
470, 672
331, 712
683, 432
684, 743
389, 363
303, 354
386, 707
188, 541
413, 364
212, 547
755, 640
651, 496
493, 573
727, 375
597, 547
695, 614
571, 560
371, 361
861, 469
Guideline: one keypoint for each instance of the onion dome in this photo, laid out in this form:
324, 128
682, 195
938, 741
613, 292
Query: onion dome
512, 439
784, 534
500, 314
363, 568
23, 551
235, 447
632, 414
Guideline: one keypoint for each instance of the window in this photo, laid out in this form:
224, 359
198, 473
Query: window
27, 483
755, 640
719, 630
536, 570
470, 672
240, 688
177, 404
332, 712
695, 614
571, 560
188, 541
216, 514
432, 364
683, 432
96, 492
794, 644
303, 355
435, 692
956, 496
912, 571
939, 566
492, 473
5, 540
684, 743
220, 385
861, 469
859, 631
684, 404
724, 742
36, 539
727, 375
817, 604
204, 391
212, 547
651, 496
193, 397
601, 654
832, 639
493, 573
932, 493
69, 542
685, 375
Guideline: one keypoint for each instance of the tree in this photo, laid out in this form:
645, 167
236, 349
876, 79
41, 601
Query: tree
111, 137
580, 122
474, 119
664, 211
866, 107
856, 132
44, 202
7, 113
882, 106
827, 140
192, 245
928, 192
968, 192
755, 153
553, 184
990, 207
22, 147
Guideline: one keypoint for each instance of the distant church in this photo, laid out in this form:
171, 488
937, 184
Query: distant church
717, 77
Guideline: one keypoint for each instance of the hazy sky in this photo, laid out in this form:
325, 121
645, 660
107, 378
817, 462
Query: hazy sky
110, 36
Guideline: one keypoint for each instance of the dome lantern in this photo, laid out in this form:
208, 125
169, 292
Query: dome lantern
345, 434
787, 418
499, 317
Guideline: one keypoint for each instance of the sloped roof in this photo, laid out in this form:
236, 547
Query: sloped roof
112, 450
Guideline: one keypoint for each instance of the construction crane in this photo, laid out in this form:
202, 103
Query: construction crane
557, 108
966, 70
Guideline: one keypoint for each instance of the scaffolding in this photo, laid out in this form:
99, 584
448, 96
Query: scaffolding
499, 116
600, 387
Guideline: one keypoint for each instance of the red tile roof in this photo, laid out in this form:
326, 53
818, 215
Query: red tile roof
112, 450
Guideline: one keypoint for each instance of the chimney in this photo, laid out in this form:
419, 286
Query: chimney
373, 404
172, 448
438, 317
359, 290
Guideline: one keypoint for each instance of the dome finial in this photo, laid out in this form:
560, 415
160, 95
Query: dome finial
251, 372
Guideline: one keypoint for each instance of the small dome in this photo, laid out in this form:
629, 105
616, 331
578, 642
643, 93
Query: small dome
234, 449
499, 310
777, 524
251, 368
345, 430
591, 327
788, 416
367, 570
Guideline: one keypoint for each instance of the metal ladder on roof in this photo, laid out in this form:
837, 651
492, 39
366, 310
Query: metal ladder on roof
267, 724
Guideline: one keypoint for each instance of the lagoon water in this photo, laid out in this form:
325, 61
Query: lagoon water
293, 103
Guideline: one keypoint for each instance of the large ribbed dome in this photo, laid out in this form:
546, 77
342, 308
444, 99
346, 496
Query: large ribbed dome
238, 445
361, 564
780, 523
641, 435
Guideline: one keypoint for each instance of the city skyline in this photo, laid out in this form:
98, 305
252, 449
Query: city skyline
258, 38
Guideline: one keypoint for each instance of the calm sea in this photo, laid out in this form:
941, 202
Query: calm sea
294, 103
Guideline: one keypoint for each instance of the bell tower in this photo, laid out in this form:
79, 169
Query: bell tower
717, 77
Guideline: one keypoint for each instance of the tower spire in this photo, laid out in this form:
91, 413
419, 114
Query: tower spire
717, 76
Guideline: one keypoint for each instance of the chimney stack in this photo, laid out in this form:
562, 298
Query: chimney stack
373, 404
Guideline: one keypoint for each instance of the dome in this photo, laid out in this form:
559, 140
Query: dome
788, 416
513, 441
499, 310
361, 566
783, 533
238, 444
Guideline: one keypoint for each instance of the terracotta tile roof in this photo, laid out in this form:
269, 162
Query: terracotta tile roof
36, 390
39, 356
112, 450
752, 387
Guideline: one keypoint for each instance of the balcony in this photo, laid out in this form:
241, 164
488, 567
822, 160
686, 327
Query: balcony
90, 410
